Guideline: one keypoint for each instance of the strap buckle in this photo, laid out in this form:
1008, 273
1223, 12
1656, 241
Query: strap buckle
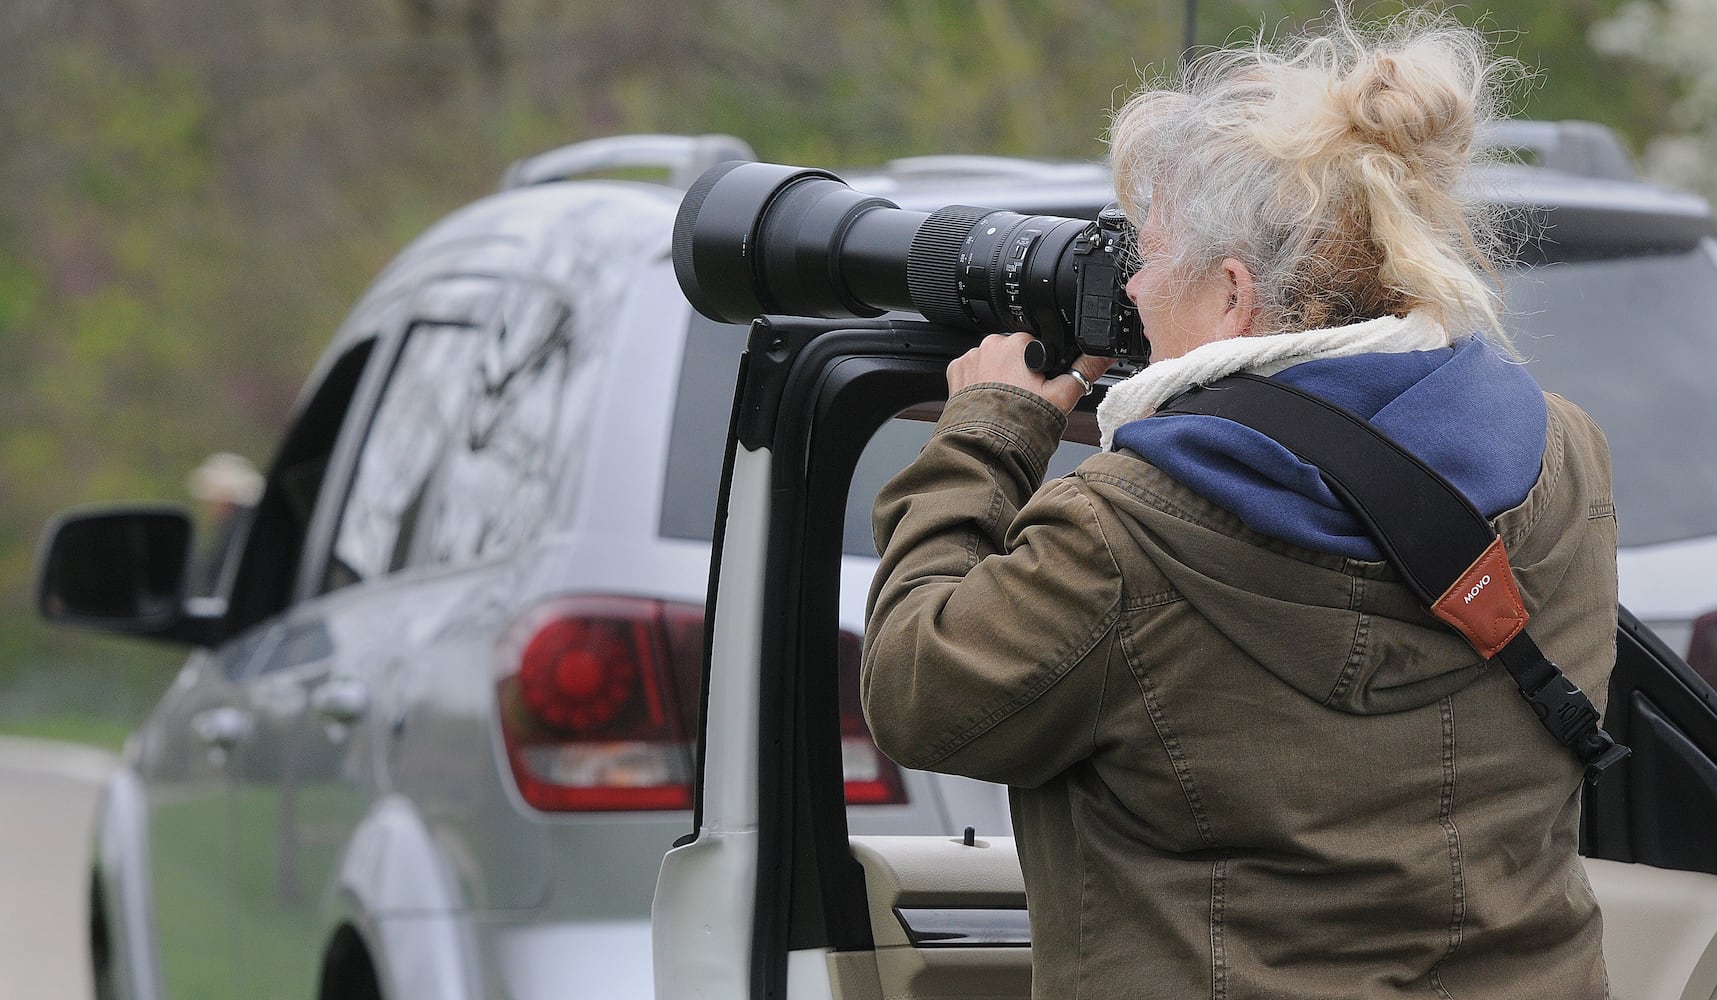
1569, 715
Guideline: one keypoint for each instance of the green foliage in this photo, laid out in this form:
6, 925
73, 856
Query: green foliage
1669, 44
193, 192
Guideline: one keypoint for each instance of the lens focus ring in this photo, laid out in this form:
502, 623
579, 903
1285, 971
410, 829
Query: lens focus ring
933, 264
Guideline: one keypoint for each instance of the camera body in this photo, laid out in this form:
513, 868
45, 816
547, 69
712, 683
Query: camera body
761, 238
1105, 321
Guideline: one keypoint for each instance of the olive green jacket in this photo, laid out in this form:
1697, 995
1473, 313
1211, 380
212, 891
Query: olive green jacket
1240, 768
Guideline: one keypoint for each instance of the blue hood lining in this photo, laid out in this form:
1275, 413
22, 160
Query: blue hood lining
1475, 416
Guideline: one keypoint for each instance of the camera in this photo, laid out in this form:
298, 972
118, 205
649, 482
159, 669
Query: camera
763, 238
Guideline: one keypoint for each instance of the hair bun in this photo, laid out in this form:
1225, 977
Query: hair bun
1417, 103
1330, 163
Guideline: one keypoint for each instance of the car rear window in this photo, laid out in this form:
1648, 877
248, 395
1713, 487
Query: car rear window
703, 405
709, 367
1633, 341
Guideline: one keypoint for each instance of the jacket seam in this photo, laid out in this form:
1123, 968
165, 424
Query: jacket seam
1145, 602
1152, 497
1452, 834
1228, 525
1000, 432
1120, 598
1171, 743
1218, 929
1361, 642
1555, 446
1047, 679
1102, 697
1084, 902
986, 529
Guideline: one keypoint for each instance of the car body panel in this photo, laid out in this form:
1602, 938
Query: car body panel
181, 764
123, 899
401, 825
1655, 577
832, 381
702, 914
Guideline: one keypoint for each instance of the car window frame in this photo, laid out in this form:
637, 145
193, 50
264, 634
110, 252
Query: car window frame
337, 483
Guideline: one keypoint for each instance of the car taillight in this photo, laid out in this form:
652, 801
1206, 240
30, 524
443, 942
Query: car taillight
872, 779
1702, 647
598, 699
593, 695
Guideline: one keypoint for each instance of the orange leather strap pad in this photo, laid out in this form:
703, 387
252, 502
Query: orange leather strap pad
1484, 604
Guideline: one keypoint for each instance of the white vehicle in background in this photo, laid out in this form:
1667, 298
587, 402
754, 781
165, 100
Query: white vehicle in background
773, 897
444, 714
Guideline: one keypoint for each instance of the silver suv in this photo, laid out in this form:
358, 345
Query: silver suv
445, 709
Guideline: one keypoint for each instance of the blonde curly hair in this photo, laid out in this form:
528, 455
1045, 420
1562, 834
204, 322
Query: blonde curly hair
1332, 166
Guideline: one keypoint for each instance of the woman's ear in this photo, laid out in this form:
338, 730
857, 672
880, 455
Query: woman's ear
1242, 305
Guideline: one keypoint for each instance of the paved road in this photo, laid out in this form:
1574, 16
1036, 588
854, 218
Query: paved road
47, 802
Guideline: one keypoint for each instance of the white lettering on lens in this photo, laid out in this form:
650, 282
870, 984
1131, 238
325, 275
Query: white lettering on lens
1483, 582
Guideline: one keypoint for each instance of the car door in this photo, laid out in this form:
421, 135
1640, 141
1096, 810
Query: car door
304, 475
769, 896
183, 754
190, 747
374, 708
321, 703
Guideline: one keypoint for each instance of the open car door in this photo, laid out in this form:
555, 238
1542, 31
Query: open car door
768, 896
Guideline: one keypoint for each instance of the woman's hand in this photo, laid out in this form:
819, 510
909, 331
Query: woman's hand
1001, 358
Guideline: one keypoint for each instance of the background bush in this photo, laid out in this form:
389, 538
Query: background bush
192, 192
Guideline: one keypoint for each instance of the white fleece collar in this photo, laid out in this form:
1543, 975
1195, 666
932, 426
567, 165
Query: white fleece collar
1140, 395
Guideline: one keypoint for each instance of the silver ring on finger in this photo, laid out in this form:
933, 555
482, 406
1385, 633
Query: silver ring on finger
1085, 385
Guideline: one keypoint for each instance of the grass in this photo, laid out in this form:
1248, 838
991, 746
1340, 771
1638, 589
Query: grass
219, 846
108, 734
87, 690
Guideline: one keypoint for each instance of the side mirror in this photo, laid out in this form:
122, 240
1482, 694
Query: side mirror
116, 569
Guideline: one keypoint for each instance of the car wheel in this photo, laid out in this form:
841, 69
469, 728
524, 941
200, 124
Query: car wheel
347, 971
100, 949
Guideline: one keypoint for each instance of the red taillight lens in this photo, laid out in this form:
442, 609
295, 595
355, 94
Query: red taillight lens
592, 698
1702, 647
598, 700
871, 778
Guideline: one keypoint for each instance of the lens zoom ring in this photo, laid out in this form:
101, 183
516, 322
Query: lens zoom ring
933, 263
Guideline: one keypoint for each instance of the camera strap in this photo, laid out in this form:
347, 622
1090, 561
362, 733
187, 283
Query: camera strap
1439, 543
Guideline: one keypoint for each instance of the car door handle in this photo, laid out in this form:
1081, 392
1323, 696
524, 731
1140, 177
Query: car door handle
340, 700
221, 728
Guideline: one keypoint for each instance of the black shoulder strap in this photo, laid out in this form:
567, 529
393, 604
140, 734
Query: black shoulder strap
1444, 549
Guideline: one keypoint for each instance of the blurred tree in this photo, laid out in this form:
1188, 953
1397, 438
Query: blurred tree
192, 192
1673, 40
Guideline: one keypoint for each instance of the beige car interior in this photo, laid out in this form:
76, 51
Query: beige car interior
1660, 927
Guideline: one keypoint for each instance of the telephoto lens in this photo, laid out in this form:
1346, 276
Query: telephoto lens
754, 239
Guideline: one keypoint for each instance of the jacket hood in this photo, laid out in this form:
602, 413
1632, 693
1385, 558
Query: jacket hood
1472, 415
1254, 541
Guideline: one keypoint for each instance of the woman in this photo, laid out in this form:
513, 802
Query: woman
1245, 760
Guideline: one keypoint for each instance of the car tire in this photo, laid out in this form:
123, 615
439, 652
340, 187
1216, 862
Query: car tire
100, 944
348, 973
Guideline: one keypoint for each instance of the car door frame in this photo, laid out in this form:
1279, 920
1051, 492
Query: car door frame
810, 395
769, 845
255, 610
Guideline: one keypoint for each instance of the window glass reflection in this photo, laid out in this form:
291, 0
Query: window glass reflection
465, 452
420, 414
1632, 340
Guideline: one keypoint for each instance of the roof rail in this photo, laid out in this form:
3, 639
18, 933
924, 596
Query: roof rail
967, 165
1585, 149
685, 157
